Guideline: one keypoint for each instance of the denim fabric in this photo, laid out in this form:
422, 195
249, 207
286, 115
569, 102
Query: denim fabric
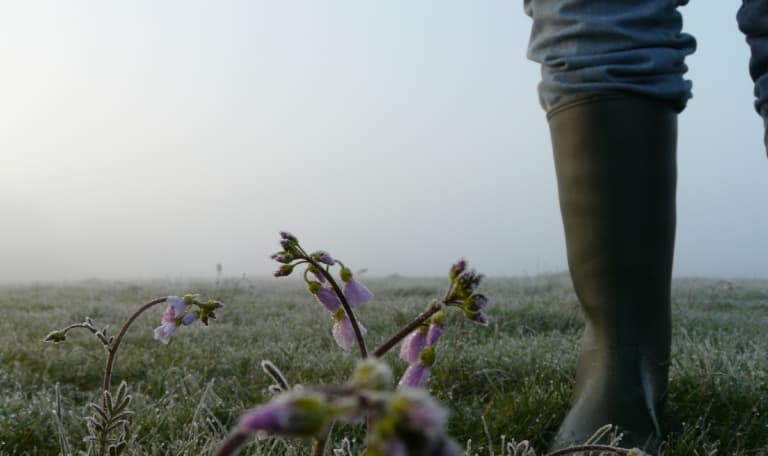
593, 46
753, 22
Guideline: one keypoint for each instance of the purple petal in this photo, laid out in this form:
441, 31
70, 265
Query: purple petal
412, 346
164, 332
434, 333
415, 376
272, 417
189, 319
328, 299
423, 412
177, 303
344, 334
356, 293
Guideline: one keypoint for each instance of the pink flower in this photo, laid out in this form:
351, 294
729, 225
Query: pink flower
414, 343
415, 376
434, 333
293, 414
171, 319
328, 299
356, 293
343, 332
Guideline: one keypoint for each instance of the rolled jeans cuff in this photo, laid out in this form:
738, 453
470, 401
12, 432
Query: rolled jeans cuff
588, 47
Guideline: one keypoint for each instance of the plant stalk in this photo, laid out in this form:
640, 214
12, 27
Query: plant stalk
113, 349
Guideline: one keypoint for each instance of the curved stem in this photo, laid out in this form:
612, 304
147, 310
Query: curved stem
580, 448
421, 318
318, 449
113, 349
233, 442
345, 304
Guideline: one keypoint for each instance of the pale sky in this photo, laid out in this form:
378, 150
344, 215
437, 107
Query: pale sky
152, 139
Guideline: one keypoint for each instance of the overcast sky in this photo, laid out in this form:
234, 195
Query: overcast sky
157, 138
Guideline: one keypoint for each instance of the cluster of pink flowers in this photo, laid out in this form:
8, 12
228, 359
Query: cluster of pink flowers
319, 265
178, 313
418, 350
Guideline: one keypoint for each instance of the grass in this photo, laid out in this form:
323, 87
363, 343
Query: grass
509, 380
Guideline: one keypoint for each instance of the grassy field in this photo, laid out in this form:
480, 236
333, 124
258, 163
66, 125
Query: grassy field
511, 379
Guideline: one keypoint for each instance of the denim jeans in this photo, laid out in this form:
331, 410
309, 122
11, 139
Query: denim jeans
638, 46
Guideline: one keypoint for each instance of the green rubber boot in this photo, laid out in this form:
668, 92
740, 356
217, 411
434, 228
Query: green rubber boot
615, 157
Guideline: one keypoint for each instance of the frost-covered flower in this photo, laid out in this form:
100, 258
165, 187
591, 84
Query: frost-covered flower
343, 332
434, 333
356, 293
414, 343
328, 299
291, 414
372, 374
284, 270
189, 319
323, 257
171, 319
415, 376
478, 317
417, 410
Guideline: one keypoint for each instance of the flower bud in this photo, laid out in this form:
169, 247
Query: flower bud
323, 257
314, 286
476, 302
55, 337
297, 414
372, 374
457, 268
346, 274
282, 257
284, 270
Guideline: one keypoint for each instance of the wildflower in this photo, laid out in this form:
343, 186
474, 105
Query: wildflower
343, 332
282, 257
433, 333
417, 410
171, 319
291, 414
317, 273
415, 376
372, 374
435, 329
325, 296
457, 268
284, 270
417, 373
355, 292
413, 344
478, 317
477, 302
55, 337
189, 319
323, 257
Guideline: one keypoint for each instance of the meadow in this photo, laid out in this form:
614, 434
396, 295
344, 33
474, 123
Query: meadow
510, 380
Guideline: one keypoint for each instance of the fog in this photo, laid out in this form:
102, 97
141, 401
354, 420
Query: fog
157, 139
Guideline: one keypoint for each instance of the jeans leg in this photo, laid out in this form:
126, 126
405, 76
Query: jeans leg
595, 46
753, 22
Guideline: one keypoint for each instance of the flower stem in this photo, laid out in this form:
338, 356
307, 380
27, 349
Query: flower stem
580, 448
421, 318
113, 349
344, 303
318, 449
233, 442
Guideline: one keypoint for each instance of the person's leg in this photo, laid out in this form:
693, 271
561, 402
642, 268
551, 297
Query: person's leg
753, 22
612, 85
